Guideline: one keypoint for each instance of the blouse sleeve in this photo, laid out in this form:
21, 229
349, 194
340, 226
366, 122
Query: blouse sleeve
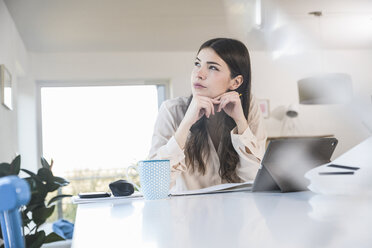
251, 144
164, 144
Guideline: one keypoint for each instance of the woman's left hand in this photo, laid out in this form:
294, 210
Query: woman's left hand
231, 104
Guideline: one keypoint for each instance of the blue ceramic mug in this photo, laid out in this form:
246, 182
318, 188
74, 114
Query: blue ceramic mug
154, 178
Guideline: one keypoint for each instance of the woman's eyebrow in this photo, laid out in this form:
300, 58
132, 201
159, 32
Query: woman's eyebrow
209, 62
212, 63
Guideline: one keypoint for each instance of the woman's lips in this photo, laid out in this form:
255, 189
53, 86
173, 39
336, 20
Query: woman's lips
199, 86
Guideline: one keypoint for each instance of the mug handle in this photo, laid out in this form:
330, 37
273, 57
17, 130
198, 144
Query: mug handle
128, 176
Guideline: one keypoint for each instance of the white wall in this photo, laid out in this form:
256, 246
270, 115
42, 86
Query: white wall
172, 66
274, 79
14, 56
8, 56
27, 124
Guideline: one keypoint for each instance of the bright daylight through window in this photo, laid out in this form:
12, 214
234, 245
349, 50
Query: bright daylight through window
93, 133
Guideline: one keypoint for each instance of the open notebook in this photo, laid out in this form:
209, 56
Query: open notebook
227, 187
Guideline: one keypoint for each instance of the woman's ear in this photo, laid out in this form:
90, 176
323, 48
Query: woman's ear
236, 82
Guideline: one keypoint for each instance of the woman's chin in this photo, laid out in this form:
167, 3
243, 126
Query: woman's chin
199, 93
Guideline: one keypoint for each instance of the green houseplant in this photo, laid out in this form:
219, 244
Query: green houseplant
37, 211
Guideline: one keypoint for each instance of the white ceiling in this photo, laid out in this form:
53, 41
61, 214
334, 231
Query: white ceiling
175, 25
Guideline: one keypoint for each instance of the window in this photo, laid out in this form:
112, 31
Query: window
93, 133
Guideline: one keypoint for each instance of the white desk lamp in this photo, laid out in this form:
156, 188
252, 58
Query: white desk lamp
331, 88
291, 125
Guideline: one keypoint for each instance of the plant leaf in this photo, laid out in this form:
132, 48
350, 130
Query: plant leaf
15, 166
45, 163
33, 176
32, 183
61, 181
52, 237
57, 198
31, 207
39, 215
38, 191
35, 240
38, 198
4, 169
29, 172
52, 186
25, 219
45, 175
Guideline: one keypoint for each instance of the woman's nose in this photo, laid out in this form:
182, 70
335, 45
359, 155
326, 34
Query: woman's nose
201, 73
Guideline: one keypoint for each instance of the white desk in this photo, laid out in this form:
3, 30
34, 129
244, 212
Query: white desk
240, 219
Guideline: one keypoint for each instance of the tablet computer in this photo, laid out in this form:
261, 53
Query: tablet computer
287, 160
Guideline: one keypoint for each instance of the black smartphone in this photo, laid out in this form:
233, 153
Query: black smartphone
94, 194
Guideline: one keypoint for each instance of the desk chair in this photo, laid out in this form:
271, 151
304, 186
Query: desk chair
14, 192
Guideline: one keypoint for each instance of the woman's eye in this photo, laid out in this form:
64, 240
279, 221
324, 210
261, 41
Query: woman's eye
213, 68
197, 64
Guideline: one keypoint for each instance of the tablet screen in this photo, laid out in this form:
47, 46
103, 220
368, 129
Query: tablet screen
287, 160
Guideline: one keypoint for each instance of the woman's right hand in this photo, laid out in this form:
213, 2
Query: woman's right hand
199, 106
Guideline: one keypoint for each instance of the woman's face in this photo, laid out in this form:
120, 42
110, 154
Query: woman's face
210, 76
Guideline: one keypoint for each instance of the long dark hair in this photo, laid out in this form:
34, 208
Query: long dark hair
236, 56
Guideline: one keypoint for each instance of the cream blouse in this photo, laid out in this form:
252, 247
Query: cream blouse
250, 147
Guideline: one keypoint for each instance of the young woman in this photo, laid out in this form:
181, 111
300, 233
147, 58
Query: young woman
216, 135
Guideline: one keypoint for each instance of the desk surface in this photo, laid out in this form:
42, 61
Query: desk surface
240, 219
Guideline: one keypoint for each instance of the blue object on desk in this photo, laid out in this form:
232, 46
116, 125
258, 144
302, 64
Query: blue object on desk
63, 228
14, 192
